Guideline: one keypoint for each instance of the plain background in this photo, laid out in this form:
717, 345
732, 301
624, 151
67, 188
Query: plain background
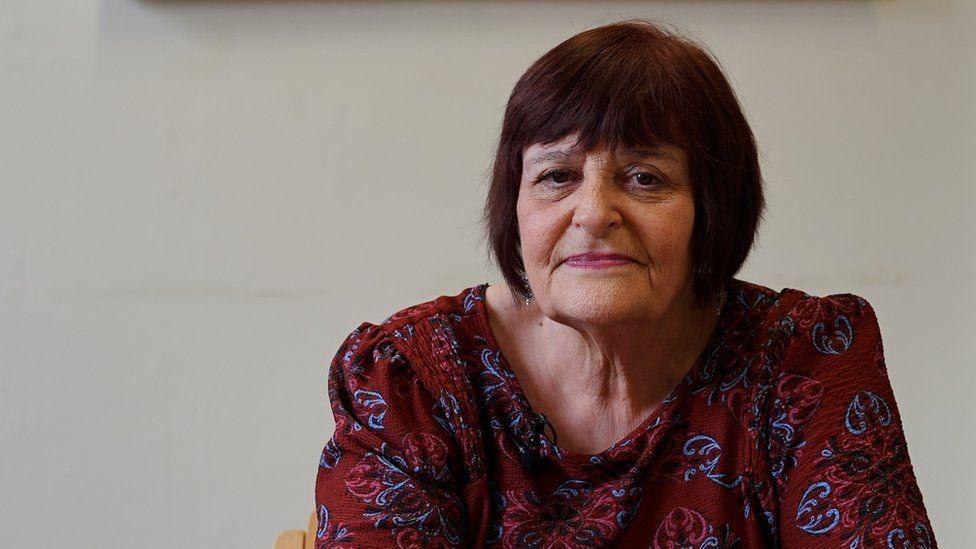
200, 199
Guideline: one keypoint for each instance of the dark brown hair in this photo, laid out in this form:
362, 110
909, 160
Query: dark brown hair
633, 84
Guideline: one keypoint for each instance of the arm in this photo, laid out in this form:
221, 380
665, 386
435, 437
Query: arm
386, 477
838, 454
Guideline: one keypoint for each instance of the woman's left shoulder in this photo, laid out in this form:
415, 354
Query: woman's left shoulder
841, 309
796, 303
811, 331
839, 329
834, 316
831, 318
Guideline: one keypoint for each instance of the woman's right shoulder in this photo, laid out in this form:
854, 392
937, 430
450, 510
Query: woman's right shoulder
400, 328
405, 372
407, 347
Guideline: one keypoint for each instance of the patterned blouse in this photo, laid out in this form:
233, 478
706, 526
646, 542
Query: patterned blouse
784, 432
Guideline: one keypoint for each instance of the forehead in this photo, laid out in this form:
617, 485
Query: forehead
567, 149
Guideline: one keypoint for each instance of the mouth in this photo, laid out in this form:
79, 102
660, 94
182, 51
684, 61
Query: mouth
599, 260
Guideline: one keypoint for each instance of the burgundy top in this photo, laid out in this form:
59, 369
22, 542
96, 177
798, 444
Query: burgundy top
784, 432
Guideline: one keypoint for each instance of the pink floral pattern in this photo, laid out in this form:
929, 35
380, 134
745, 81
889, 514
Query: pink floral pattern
684, 527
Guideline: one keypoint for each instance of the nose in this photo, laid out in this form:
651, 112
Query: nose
595, 206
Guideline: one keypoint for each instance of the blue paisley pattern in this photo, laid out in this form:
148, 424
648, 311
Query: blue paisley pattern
836, 343
706, 447
331, 454
374, 404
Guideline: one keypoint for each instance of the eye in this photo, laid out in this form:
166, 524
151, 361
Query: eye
646, 179
556, 176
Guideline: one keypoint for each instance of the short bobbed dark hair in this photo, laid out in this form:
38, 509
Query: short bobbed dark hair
635, 84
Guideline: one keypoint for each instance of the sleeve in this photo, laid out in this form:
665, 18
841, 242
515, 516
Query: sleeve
837, 451
387, 476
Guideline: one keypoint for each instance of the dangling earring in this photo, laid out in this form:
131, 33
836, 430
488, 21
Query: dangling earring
720, 301
525, 280
720, 298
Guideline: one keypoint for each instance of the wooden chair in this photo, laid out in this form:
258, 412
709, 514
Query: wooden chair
298, 539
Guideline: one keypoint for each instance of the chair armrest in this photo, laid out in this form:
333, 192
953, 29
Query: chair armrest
290, 539
313, 526
299, 539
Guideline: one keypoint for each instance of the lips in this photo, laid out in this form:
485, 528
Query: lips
595, 257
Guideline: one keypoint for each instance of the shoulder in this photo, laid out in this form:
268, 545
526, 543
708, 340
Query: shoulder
378, 400
384, 342
461, 302
840, 328
759, 301
833, 349
407, 354
366, 377
366, 349
825, 325
808, 342
756, 314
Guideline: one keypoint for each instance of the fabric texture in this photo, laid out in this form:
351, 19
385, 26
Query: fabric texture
784, 433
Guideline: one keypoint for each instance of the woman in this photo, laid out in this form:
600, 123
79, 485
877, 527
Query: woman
622, 388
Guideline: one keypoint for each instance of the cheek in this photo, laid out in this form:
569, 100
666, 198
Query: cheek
539, 232
667, 234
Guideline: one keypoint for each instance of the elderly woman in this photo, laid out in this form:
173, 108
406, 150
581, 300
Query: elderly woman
622, 388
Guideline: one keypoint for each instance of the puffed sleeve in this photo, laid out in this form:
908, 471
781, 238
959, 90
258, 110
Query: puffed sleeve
387, 476
838, 454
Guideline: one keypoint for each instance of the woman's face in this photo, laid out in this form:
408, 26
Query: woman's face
635, 203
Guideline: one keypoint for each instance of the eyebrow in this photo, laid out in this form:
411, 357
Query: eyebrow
559, 154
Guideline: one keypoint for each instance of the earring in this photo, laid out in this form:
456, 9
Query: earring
525, 281
720, 301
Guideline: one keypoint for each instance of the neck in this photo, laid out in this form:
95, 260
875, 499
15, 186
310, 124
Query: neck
608, 377
637, 362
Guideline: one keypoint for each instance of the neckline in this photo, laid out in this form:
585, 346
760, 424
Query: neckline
511, 382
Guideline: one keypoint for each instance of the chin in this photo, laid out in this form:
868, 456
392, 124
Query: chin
599, 303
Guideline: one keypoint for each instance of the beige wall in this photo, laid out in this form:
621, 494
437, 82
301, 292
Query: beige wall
201, 198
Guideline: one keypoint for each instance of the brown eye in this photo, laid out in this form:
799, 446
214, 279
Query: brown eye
646, 179
556, 176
